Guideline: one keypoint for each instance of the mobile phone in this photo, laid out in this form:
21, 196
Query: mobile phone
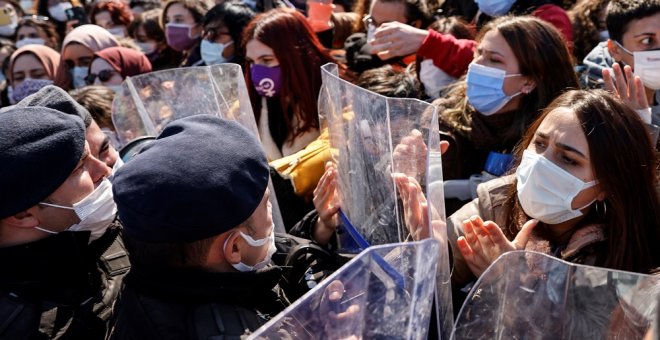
5, 16
77, 13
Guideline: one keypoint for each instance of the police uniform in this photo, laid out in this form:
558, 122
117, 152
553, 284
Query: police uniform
200, 178
61, 286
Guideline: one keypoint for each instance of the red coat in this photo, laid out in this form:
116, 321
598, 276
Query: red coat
454, 55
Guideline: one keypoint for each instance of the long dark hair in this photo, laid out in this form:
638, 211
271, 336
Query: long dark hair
549, 65
623, 160
235, 16
300, 55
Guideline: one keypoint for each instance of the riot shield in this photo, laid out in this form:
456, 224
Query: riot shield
146, 103
528, 295
384, 292
373, 139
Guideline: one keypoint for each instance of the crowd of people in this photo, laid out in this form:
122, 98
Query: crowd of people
548, 112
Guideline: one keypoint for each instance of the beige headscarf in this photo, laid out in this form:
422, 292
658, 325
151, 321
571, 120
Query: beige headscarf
48, 57
96, 38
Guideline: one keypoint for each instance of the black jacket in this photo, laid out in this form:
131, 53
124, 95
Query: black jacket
61, 287
194, 304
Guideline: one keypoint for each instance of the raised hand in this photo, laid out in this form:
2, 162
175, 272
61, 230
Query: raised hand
484, 242
327, 205
630, 89
395, 39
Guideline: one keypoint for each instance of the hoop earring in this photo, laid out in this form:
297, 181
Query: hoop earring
598, 210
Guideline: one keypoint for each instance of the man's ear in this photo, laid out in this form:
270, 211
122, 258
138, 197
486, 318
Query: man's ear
25, 219
232, 249
614, 49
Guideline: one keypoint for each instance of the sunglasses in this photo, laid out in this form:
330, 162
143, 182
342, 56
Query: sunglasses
103, 75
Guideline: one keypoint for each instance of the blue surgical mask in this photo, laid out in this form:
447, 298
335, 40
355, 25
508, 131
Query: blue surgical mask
485, 88
78, 75
212, 52
495, 8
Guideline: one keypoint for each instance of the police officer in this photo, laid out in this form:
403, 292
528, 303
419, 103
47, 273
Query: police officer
55, 98
199, 231
60, 252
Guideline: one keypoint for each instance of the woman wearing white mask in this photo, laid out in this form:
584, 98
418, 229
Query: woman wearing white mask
223, 27
520, 66
183, 28
55, 10
113, 15
584, 191
37, 30
31, 68
78, 51
12, 11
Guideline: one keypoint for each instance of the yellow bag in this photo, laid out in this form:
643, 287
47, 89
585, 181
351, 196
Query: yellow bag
305, 167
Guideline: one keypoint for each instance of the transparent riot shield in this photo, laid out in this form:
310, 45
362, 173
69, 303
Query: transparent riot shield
146, 103
374, 139
528, 295
385, 292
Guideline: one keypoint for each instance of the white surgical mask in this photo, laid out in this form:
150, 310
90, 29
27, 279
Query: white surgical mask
546, 191
30, 41
212, 52
9, 30
242, 267
117, 31
148, 47
96, 211
647, 66
433, 78
78, 74
58, 12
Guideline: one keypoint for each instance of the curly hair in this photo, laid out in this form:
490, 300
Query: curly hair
585, 17
119, 12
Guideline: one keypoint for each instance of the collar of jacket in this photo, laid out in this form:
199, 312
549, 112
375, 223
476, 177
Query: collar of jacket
246, 289
60, 268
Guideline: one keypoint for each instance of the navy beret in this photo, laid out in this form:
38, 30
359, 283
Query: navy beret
201, 177
39, 149
55, 98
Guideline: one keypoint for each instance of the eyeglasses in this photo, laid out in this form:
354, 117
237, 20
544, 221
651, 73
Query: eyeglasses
103, 75
212, 33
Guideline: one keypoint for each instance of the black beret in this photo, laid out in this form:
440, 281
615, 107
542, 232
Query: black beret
202, 176
39, 149
55, 98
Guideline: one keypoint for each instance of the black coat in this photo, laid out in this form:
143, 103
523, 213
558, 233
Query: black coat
194, 304
61, 287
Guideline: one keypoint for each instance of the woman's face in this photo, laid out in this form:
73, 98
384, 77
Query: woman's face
29, 32
260, 54
27, 66
146, 44
219, 34
561, 140
178, 14
494, 51
104, 74
77, 55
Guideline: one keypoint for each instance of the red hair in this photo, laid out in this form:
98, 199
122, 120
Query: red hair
300, 55
119, 12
